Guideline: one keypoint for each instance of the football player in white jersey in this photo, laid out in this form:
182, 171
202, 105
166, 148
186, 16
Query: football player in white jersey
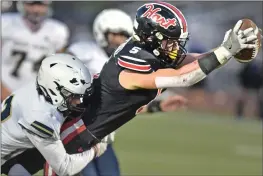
32, 116
27, 37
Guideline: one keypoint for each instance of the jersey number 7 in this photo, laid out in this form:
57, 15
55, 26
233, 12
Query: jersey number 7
21, 58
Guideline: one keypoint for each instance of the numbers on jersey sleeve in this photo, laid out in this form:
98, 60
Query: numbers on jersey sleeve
21, 58
135, 50
7, 111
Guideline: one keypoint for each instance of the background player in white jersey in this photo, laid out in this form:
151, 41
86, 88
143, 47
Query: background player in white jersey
27, 37
62, 83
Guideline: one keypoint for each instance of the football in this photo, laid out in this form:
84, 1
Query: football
247, 55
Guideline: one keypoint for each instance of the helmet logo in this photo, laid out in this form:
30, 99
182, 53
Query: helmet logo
151, 13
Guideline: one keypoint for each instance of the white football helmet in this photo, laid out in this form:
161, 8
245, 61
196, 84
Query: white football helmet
111, 20
64, 81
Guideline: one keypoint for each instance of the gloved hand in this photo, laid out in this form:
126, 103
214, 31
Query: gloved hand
234, 41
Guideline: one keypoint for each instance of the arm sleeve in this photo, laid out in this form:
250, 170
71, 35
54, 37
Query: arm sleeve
55, 154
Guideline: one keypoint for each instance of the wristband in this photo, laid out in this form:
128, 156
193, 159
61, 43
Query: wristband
209, 63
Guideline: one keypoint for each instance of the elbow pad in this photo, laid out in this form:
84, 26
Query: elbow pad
185, 80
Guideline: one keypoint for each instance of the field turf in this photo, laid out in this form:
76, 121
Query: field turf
189, 143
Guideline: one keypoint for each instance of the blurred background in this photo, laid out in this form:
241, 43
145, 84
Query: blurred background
221, 132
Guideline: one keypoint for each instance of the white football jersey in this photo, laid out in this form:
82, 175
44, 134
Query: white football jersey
90, 54
26, 109
29, 121
23, 50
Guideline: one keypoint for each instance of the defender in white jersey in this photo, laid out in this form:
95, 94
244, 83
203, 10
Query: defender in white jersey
32, 116
27, 38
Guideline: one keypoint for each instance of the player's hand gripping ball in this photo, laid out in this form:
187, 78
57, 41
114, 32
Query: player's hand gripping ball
247, 55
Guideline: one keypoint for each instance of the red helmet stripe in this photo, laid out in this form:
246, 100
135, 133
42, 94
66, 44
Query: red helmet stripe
177, 12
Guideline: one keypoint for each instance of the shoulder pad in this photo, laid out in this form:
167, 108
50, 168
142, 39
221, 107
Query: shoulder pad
135, 58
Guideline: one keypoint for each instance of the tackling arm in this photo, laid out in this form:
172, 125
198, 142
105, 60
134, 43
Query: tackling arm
63, 163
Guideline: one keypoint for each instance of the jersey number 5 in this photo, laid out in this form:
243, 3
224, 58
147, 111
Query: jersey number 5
21, 58
135, 50
6, 112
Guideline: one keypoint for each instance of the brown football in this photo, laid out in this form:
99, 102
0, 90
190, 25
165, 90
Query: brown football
247, 55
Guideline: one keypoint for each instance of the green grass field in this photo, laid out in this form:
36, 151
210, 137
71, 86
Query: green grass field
189, 143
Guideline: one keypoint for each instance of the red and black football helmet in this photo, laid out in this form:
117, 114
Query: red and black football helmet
162, 28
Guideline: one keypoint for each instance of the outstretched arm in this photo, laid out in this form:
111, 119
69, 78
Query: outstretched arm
195, 71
